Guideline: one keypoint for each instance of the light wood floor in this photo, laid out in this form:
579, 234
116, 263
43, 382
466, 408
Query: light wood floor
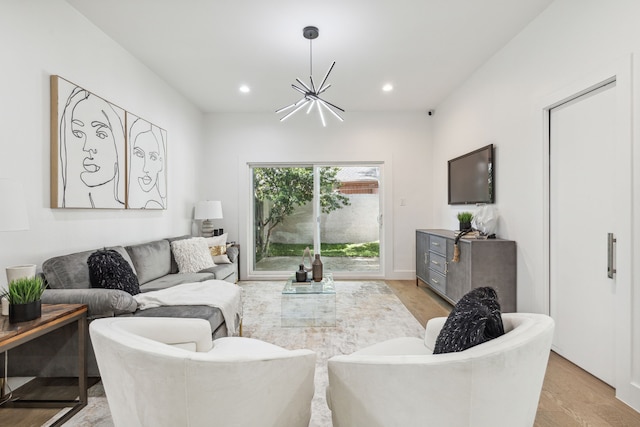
570, 396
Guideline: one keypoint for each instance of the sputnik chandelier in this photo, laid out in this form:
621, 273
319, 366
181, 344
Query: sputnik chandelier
311, 93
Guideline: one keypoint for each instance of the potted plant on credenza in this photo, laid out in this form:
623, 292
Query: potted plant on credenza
464, 219
24, 299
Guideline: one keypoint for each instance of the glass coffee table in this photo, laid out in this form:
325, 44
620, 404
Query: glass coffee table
307, 304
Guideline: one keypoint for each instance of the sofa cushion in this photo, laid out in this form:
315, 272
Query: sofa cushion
109, 270
218, 249
192, 255
474, 319
211, 314
151, 260
71, 271
174, 264
222, 271
175, 279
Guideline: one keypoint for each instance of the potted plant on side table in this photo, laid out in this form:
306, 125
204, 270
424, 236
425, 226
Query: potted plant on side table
24, 299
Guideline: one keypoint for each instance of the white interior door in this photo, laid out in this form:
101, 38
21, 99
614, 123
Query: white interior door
582, 212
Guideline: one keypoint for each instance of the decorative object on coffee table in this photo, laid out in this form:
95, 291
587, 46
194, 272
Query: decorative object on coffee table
317, 269
301, 274
307, 254
24, 299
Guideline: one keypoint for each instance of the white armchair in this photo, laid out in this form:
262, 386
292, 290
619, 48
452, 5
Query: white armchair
400, 382
168, 372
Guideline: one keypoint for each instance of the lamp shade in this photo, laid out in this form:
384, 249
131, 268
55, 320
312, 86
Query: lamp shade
13, 214
208, 209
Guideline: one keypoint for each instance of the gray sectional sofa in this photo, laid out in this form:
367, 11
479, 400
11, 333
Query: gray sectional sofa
67, 278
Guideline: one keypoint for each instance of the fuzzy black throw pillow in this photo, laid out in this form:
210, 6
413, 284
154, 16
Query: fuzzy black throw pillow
475, 319
108, 269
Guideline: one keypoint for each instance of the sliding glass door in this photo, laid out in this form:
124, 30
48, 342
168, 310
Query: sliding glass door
333, 210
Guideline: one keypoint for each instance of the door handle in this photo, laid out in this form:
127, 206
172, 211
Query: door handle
611, 241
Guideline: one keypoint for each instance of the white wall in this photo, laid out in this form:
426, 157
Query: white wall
401, 141
44, 37
501, 103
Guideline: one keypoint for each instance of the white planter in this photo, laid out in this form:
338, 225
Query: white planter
20, 271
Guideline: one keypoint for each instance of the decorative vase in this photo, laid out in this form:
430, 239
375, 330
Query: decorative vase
301, 275
25, 312
317, 269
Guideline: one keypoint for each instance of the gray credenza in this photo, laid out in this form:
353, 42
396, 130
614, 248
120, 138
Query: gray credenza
488, 262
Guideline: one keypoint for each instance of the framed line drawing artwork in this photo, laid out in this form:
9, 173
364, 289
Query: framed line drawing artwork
88, 149
147, 164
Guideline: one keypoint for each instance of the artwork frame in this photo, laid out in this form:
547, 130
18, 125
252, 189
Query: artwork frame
146, 164
88, 149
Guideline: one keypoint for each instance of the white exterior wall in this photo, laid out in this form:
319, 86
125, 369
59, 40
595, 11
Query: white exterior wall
356, 223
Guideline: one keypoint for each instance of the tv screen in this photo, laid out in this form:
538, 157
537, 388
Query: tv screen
471, 177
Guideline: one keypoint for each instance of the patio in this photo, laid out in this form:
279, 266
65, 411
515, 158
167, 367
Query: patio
332, 264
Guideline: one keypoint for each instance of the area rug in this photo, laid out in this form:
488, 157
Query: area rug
367, 312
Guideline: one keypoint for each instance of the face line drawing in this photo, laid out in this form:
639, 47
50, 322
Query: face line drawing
98, 144
146, 166
87, 126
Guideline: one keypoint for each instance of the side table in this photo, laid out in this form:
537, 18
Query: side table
54, 316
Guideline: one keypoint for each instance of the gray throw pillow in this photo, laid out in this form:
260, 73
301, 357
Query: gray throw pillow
475, 319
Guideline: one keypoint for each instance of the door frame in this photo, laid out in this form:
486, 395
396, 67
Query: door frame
627, 371
247, 237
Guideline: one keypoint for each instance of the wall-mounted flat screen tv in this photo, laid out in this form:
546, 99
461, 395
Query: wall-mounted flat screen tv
471, 177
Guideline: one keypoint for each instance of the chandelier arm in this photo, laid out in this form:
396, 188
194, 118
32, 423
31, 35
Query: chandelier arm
321, 115
327, 75
324, 104
312, 85
305, 86
294, 111
333, 105
323, 89
290, 106
312, 96
311, 106
299, 89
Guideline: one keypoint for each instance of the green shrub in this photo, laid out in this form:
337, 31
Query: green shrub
465, 217
370, 249
25, 290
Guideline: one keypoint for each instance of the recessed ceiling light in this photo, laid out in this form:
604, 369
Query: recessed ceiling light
388, 87
245, 89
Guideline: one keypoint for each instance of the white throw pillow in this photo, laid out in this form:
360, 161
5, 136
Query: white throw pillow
218, 249
192, 255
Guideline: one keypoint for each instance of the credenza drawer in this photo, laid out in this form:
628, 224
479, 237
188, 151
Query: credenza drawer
437, 281
437, 262
438, 244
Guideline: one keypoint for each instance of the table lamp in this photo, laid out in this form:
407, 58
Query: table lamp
207, 210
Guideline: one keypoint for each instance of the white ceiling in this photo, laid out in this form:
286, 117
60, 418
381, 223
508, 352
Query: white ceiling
206, 49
